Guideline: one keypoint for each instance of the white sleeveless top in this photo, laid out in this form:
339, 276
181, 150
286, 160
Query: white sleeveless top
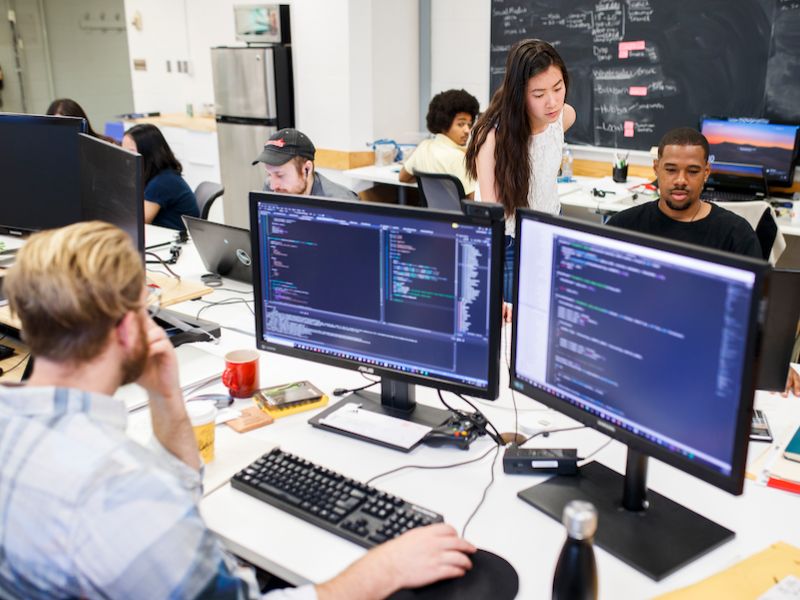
544, 151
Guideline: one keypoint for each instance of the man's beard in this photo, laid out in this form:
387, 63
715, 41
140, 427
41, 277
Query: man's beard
678, 207
133, 366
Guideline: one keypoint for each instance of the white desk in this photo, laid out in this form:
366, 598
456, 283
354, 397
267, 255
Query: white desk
300, 552
388, 174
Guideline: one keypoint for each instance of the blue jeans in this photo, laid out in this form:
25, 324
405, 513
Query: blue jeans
508, 270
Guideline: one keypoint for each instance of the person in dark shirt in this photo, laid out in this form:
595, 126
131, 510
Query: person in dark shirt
682, 169
167, 196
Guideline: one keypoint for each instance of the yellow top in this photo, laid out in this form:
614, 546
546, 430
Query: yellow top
441, 155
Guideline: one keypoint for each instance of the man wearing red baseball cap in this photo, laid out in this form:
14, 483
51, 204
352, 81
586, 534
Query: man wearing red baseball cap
288, 157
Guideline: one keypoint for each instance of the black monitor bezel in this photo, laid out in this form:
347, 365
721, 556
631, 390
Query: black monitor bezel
732, 483
86, 140
483, 218
771, 182
57, 121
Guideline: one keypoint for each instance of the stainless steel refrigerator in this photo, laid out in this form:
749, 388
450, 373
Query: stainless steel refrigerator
253, 95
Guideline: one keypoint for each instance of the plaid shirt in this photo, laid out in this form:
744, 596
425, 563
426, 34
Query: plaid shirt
87, 512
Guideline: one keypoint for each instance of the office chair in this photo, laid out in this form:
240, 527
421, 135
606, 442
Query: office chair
761, 217
206, 193
440, 191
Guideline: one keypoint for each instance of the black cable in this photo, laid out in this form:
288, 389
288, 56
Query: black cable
343, 391
226, 302
488, 422
585, 459
430, 467
513, 394
164, 264
547, 432
224, 289
22, 360
485, 492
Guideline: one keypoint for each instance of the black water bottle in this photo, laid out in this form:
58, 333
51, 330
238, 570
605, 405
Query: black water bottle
576, 571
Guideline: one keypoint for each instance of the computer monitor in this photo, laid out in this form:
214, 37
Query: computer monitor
650, 342
411, 295
779, 330
39, 171
739, 178
753, 141
112, 187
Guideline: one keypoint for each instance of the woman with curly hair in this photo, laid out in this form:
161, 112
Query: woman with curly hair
516, 147
450, 118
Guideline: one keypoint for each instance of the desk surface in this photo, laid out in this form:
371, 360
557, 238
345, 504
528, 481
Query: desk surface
300, 552
385, 174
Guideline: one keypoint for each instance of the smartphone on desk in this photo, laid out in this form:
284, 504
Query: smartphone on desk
792, 451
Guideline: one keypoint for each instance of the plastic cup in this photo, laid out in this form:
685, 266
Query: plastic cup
203, 415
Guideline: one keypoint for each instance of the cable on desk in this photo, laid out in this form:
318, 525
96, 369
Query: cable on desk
547, 432
224, 289
513, 394
485, 492
495, 436
343, 391
164, 264
225, 302
431, 467
585, 459
22, 360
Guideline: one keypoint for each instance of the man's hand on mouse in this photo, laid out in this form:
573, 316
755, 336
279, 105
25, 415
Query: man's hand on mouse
419, 557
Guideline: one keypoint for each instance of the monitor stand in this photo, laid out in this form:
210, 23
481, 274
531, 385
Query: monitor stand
644, 529
397, 399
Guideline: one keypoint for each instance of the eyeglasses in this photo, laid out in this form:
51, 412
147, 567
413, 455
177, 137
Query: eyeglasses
153, 300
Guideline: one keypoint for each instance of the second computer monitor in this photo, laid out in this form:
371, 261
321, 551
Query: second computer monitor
411, 295
111, 186
651, 342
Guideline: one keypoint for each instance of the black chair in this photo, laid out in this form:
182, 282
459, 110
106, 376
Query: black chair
206, 193
440, 191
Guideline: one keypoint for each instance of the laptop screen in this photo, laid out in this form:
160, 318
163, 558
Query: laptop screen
754, 143
733, 177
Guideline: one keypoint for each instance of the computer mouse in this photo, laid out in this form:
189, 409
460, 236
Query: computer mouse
491, 578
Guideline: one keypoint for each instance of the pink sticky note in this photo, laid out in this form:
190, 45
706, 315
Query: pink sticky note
626, 47
637, 90
627, 130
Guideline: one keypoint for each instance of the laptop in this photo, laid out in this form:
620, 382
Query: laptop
735, 182
224, 249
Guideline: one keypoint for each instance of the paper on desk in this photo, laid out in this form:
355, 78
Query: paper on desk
746, 579
397, 432
771, 463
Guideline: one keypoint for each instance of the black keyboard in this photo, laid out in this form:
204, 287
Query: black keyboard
343, 506
720, 196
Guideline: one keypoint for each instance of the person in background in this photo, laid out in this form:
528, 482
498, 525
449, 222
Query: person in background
516, 146
66, 107
167, 196
679, 214
90, 513
450, 118
288, 157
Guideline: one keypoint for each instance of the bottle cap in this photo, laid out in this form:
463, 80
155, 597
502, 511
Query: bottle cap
580, 519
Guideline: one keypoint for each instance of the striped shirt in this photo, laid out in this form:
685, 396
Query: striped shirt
87, 512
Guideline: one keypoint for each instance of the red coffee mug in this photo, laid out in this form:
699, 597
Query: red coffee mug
241, 373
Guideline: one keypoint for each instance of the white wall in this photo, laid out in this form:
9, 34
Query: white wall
90, 66
460, 37
355, 62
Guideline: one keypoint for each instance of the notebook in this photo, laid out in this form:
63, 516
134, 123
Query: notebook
735, 182
224, 249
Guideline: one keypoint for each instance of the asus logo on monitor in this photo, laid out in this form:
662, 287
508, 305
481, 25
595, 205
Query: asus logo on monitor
604, 425
365, 369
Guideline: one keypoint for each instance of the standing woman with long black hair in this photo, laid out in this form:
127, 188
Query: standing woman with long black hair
516, 145
167, 196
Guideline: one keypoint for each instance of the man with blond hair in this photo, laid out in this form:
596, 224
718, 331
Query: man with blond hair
87, 512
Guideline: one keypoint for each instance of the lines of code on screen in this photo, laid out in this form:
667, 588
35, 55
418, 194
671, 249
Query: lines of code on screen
651, 343
389, 291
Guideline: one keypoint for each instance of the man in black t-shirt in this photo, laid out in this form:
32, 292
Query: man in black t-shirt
682, 169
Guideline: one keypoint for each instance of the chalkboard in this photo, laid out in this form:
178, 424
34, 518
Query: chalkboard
638, 68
